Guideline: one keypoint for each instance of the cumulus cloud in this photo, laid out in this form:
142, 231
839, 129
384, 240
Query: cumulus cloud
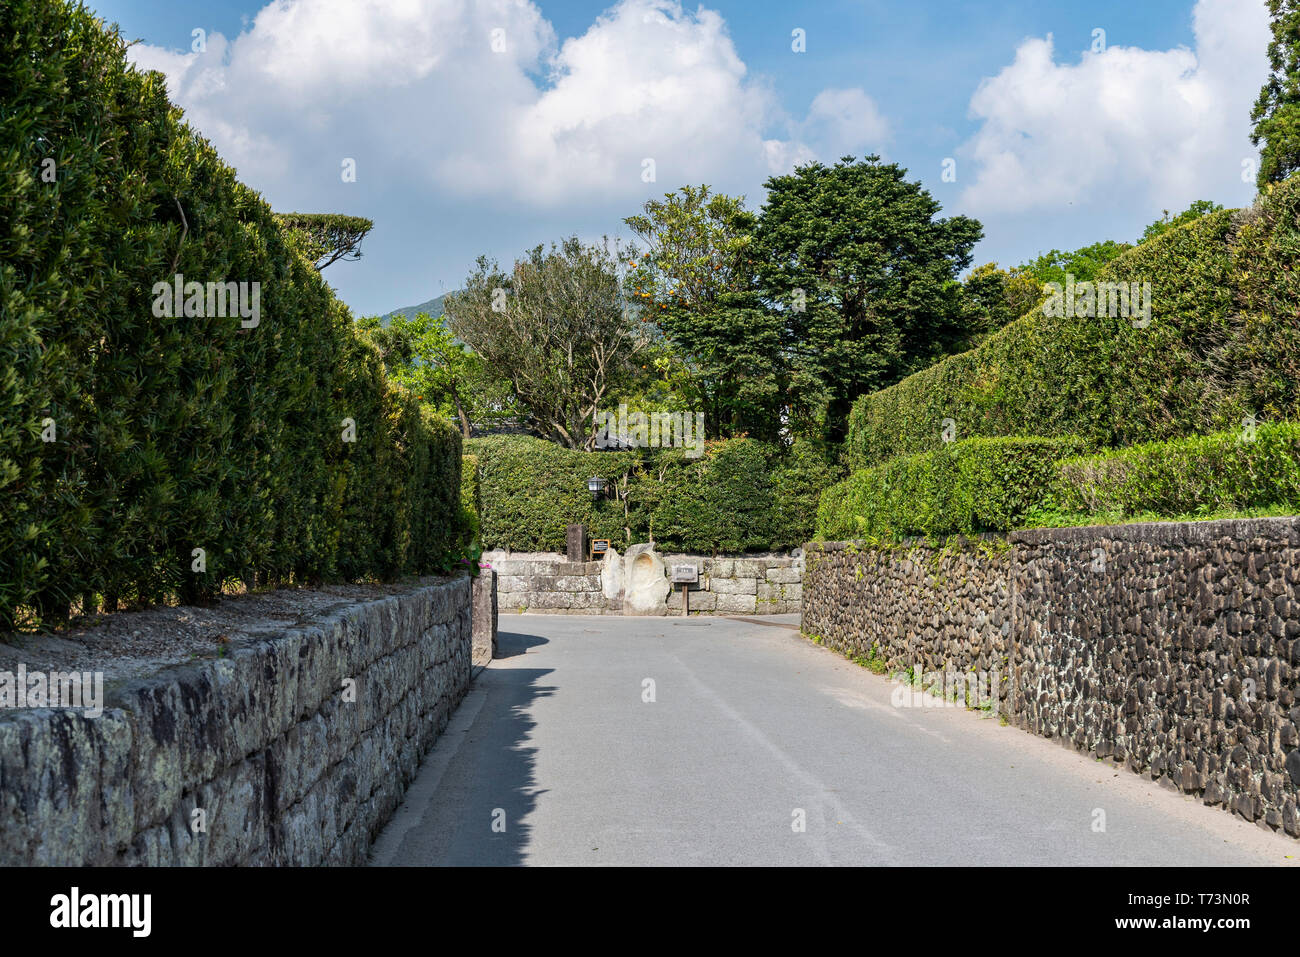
481, 100
1160, 127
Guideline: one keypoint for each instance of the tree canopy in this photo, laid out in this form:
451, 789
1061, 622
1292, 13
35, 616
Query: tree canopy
1277, 111
327, 237
1202, 207
420, 353
557, 328
862, 269
696, 281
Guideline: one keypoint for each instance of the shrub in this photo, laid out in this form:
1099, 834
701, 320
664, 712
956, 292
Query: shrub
741, 495
471, 501
798, 481
532, 489
1222, 343
1226, 471
183, 432
721, 502
969, 486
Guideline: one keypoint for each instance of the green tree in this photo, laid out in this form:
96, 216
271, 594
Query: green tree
1277, 111
1202, 207
863, 273
696, 281
997, 296
557, 328
420, 353
325, 238
1084, 264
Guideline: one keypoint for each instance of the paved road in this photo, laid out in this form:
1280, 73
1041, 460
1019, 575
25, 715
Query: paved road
554, 758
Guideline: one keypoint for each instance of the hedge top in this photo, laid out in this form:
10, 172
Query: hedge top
1221, 344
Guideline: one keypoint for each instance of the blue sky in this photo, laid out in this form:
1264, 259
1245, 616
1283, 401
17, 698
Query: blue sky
463, 149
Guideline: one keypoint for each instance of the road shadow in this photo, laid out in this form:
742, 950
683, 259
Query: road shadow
512, 643
478, 814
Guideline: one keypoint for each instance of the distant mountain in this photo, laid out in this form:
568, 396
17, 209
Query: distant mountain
433, 307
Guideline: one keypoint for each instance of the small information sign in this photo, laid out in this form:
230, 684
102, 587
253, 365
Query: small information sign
685, 574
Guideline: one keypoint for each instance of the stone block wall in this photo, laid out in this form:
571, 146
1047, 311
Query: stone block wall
547, 583
484, 616
286, 764
1171, 649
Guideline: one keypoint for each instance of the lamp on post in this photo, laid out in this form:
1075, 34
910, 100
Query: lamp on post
595, 485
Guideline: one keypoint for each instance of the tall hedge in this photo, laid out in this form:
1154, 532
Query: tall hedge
740, 495
173, 434
1223, 342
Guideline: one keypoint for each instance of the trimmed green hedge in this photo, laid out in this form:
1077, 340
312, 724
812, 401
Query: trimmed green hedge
969, 486
741, 495
471, 500
1228, 471
1222, 342
172, 434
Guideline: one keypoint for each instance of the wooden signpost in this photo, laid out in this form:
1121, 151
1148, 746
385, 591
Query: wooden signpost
599, 546
686, 576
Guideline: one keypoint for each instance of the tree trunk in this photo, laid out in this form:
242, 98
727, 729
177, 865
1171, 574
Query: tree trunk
460, 413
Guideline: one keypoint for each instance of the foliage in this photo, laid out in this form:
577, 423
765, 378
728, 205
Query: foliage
557, 329
1245, 468
1083, 264
1201, 364
969, 486
1277, 110
798, 480
696, 282
172, 434
863, 273
726, 501
995, 297
419, 352
844, 282
325, 238
1201, 207
1260, 360
663, 382
471, 500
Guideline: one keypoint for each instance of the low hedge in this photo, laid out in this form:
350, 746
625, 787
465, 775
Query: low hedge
129, 439
1236, 470
969, 486
1222, 343
741, 495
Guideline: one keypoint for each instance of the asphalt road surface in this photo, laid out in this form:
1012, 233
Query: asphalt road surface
558, 757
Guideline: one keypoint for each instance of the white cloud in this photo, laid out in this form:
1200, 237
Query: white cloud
844, 121
1156, 127
416, 92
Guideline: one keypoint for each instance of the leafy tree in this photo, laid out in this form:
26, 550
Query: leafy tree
662, 381
997, 296
1277, 111
421, 354
557, 329
696, 280
1084, 264
855, 261
325, 238
1202, 207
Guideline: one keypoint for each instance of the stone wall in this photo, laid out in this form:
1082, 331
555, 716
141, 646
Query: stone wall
287, 765
915, 606
547, 583
1171, 649
484, 616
